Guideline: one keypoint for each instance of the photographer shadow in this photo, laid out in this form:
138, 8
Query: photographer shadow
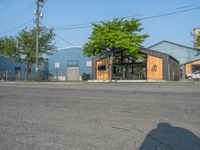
168, 137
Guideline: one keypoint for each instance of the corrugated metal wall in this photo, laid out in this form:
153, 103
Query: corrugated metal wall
68, 57
7, 64
181, 53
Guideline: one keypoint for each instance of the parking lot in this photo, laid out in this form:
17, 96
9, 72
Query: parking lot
99, 116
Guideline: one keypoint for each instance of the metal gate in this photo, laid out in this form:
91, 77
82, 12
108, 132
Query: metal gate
72, 73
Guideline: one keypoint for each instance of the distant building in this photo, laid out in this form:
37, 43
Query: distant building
11, 70
183, 54
192, 66
69, 64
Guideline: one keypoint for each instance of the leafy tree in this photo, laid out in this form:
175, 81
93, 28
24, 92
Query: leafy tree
8, 48
27, 46
197, 41
118, 34
23, 47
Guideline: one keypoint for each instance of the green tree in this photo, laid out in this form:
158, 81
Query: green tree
8, 48
23, 47
197, 41
118, 34
26, 44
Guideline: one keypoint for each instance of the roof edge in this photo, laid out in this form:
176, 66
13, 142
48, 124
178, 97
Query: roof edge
63, 48
148, 49
173, 44
191, 61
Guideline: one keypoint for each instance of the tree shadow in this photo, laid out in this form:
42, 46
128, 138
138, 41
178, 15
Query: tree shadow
167, 137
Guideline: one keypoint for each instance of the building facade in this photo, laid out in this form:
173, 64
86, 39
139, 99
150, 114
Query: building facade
69, 64
191, 67
11, 70
153, 66
181, 53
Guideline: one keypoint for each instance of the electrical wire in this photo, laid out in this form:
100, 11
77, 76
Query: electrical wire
19, 26
88, 25
69, 43
167, 14
58, 36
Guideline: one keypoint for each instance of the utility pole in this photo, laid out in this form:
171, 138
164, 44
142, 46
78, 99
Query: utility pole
38, 13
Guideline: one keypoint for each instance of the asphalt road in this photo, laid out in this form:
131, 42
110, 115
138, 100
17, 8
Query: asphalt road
118, 116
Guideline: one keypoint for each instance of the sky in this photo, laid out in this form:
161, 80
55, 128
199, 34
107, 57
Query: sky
171, 20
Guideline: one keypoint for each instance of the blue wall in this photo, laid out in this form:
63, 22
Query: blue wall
9, 65
66, 57
182, 53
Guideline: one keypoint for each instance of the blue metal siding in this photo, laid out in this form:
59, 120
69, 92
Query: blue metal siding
182, 53
7, 64
64, 56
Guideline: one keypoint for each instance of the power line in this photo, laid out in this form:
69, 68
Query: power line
88, 25
58, 36
69, 43
68, 28
85, 25
132, 16
19, 26
172, 13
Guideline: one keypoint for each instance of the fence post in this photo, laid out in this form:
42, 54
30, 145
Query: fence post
19, 74
6, 75
57, 74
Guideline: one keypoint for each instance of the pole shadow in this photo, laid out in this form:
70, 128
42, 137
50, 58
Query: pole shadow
168, 137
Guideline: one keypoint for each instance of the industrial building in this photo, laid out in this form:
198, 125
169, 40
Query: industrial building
162, 61
63, 64
69, 64
11, 70
183, 54
191, 67
153, 66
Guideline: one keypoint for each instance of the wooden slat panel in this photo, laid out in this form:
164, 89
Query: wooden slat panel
102, 75
154, 68
188, 67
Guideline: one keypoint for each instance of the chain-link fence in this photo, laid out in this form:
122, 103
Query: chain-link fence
61, 75
51, 75
22, 75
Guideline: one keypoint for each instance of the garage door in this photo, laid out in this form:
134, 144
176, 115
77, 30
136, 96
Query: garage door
73, 73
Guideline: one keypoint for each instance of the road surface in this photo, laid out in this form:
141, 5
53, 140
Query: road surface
100, 116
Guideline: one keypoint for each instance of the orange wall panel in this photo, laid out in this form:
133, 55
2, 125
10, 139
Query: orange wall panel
154, 68
102, 75
188, 67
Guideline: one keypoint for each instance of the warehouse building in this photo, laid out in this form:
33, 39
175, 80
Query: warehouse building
11, 70
69, 64
192, 66
153, 66
183, 54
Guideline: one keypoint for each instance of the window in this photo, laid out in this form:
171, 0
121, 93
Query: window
101, 67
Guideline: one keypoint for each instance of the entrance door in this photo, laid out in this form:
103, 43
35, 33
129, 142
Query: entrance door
72, 73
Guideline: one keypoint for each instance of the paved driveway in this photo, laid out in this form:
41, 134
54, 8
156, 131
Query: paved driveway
118, 116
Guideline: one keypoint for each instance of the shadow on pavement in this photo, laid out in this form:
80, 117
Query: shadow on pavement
167, 137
